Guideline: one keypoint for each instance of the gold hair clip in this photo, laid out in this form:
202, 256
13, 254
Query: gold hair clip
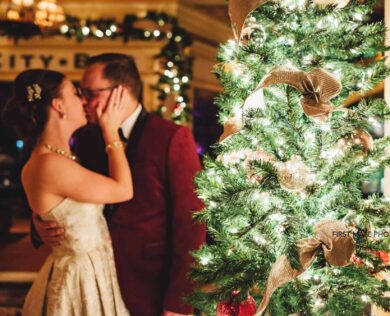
34, 92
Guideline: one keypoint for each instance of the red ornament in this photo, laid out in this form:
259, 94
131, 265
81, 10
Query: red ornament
245, 308
357, 261
384, 256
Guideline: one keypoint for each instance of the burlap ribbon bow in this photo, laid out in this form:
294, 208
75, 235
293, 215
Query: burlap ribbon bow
332, 236
317, 86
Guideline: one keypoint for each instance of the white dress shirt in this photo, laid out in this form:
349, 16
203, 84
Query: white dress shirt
128, 124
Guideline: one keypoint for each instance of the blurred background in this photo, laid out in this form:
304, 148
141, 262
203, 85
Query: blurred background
174, 43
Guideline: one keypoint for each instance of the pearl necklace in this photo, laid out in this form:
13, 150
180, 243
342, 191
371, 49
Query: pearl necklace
60, 151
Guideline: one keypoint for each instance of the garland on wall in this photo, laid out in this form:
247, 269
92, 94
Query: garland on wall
175, 57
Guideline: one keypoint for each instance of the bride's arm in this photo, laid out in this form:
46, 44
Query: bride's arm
63, 177
109, 120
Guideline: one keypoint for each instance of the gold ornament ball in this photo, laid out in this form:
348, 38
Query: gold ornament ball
256, 156
358, 137
294, 175
364, 138
233, 157
233, 67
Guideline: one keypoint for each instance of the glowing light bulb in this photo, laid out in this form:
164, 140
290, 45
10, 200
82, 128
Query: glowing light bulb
308, 58
358, 16
19, 144
259, 239
310, 136
325, 127
85, 30
99, 33
233, 230
64, 28
205, 260
319, 303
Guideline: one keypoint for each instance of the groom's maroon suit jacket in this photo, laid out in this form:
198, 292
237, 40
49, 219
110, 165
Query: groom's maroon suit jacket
154, 232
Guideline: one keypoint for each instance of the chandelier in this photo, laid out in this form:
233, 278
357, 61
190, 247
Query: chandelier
44, 13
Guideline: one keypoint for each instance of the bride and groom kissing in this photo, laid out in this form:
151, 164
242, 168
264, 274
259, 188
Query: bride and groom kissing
143, 174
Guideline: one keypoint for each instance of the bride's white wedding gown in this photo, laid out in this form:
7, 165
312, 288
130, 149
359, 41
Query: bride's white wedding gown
79, 276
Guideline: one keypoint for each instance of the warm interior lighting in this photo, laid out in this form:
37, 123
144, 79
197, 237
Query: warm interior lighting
44, 13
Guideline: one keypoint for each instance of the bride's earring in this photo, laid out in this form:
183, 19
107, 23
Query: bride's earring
63, 115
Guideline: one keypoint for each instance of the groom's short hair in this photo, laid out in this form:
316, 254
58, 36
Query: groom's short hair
119, 69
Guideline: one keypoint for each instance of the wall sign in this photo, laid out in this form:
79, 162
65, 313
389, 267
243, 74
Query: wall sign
23, 60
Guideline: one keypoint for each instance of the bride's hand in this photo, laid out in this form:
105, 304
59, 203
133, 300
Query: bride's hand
111, 117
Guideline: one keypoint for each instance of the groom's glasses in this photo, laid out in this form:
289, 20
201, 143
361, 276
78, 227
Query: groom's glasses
90, 93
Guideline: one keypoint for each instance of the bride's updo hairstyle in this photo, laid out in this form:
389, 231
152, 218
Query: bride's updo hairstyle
27, 111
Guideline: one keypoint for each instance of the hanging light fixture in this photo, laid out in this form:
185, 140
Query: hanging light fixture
44, 13
21, 10
48, 13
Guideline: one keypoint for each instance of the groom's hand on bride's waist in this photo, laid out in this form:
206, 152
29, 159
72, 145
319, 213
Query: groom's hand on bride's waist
50, 232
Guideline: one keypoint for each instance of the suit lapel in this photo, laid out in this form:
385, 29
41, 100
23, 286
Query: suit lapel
131, 149
135, 136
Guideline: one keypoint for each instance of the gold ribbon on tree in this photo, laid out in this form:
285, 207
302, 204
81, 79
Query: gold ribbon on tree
332, 236
317, 86
239, 11
232, 126
339, 3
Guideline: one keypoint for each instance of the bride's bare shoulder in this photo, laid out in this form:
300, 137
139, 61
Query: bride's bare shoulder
41, 176
44, 165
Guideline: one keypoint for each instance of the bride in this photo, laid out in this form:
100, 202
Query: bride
79, 277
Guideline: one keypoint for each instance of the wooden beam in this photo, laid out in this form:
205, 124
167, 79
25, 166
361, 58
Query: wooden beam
203, 25
116, 9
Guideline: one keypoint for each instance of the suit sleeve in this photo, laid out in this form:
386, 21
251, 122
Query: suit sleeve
35, 239
187, 235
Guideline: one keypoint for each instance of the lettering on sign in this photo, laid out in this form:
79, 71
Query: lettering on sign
24, 61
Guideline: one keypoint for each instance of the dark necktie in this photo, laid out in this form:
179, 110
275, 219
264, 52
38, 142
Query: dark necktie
122, 137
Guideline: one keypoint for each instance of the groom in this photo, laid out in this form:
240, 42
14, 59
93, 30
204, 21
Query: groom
153, 233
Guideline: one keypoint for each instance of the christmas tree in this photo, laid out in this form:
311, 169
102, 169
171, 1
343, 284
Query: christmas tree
291, 228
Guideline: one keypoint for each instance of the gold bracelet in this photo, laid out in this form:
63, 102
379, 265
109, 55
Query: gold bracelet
114, 144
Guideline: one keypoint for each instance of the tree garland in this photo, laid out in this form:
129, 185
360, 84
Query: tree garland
175, 57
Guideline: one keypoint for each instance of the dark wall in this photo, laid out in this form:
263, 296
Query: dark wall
206, 127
